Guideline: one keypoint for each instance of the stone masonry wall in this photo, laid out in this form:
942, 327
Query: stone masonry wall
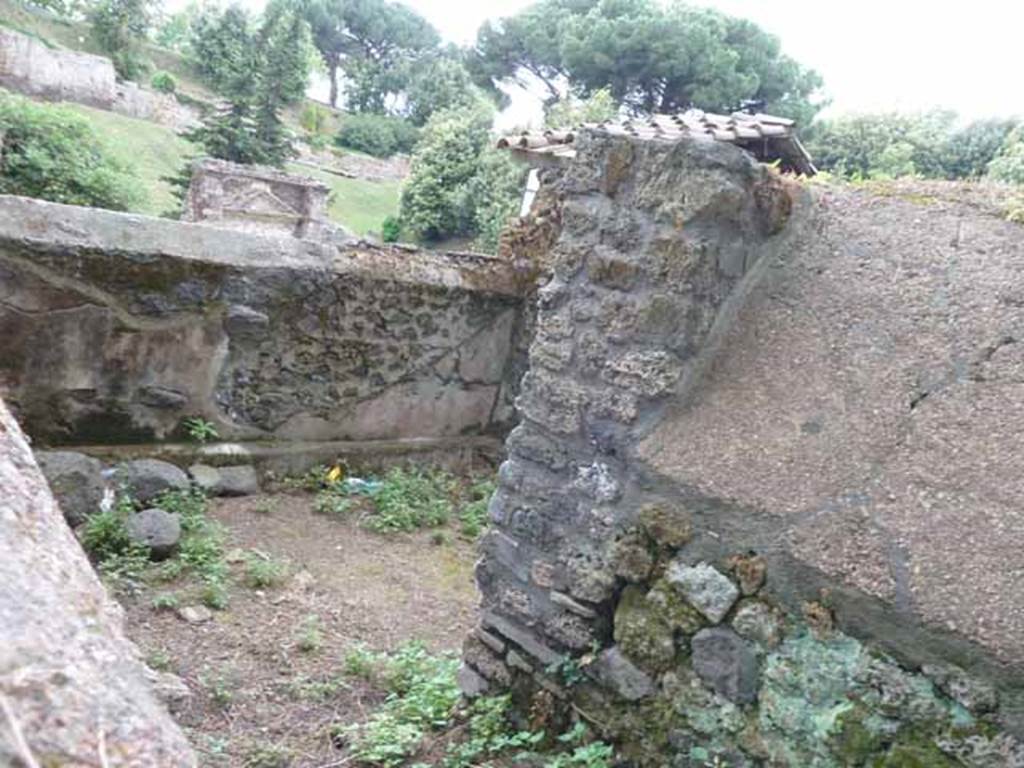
686, 627
115, 328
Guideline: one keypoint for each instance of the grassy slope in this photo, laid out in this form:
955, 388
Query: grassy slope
359, 204
152, 151
155, 151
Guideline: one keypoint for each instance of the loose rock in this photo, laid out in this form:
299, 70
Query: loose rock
148, 478
77, 482
157, 529
195, 614
225, 481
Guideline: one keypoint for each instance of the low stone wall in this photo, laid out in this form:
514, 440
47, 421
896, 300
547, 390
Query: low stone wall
729, 530
72, 689
115, 328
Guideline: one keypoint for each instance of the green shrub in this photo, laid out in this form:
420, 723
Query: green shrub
378, 135
164, 82
314, 118
53, 153
391, 229
409, 499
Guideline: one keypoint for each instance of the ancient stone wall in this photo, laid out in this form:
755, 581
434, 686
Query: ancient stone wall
688, 542
30, 66
72, 689
115, 328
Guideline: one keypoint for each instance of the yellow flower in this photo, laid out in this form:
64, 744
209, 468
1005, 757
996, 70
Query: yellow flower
335, 474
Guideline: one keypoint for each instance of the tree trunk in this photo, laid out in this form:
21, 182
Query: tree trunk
332, 69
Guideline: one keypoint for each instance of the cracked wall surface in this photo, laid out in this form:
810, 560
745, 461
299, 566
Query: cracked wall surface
116, 328
762, 505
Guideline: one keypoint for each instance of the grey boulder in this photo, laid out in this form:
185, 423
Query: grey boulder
157, 529
238, 480
146, 479
77, 482
726, 663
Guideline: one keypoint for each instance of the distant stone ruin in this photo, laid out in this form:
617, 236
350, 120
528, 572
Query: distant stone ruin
255, 199
29, 66
761, 506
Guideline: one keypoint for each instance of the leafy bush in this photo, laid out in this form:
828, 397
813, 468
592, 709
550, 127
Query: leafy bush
164, 82
53, 153
436, 201
377, 135
423, 697
391, 229
1008, 165
409, 499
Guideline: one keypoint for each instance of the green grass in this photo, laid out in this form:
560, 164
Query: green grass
152, 151
359, 204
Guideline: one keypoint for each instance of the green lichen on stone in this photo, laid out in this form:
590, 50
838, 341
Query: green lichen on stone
674, 609
642, 632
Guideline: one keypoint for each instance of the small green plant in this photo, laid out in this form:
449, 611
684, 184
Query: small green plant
200, 430
262, 571
164, 82
263, 508
568, 669
361, 662
165, 601
159, 660
214, 595
221, 689
314, 118
473, 513
409, 499
267, 756
391, 229
422, 694
334, 502
311, 636
122, 562
317, 690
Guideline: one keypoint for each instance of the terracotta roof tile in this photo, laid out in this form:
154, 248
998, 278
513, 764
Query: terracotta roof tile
768, 137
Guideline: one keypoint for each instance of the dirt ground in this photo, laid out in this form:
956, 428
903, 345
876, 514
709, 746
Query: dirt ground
259, 696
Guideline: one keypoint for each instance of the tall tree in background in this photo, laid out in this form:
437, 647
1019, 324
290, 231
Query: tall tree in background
119, 28
259, 73
368, 42
653, 57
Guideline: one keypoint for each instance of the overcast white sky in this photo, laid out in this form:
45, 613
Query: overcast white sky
873, 54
